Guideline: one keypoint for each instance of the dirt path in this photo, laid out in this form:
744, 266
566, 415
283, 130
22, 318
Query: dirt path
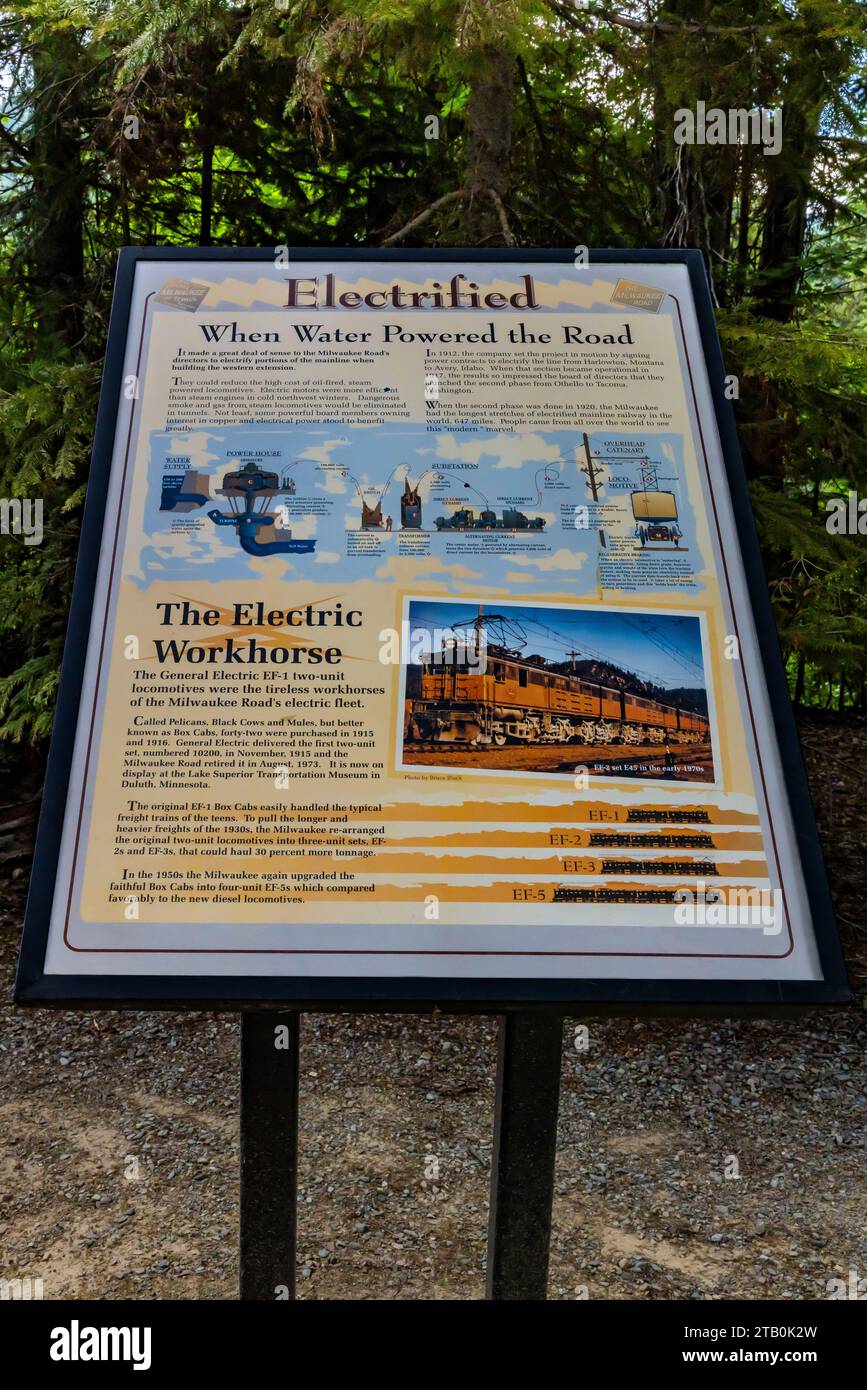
696, 1159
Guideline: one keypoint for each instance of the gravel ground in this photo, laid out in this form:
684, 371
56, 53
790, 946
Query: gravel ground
696, 1159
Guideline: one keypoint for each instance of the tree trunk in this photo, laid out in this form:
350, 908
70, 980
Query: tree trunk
489, 147
206, 200
57, 254
785, 220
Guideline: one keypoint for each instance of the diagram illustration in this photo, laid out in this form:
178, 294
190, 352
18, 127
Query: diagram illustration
410, 507
556, 498
462, 519
247, 489
372, 518
655, 511
509, 519
185, 492
465, 519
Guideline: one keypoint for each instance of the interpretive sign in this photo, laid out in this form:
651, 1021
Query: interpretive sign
420, 650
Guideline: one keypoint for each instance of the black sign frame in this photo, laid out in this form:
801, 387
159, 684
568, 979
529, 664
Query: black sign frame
453, 995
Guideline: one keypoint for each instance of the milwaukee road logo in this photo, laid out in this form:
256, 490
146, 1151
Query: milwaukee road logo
77, 1343
637, 296
182, 294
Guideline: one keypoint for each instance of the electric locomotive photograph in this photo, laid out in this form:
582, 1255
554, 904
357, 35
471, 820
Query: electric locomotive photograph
542, 689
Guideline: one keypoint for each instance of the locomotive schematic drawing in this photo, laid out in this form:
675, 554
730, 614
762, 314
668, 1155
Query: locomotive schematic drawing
655, 516
654, 510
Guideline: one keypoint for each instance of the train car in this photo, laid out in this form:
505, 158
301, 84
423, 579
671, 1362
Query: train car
518, 701
695, 726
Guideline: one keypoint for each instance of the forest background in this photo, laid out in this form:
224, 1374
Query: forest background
219, 122
293, 122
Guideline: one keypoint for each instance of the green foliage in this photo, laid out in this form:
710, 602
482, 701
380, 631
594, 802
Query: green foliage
303, 121
802, 420
46, 425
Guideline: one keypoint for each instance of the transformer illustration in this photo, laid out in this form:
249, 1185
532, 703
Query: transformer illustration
465, 519
249, 491
410, 508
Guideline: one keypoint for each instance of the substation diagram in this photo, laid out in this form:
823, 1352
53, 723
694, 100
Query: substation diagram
621, 496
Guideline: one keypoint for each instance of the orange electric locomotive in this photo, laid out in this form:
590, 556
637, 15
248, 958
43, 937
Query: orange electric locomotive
513, 700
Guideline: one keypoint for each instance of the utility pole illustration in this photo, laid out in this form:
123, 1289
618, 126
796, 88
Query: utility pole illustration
590, 471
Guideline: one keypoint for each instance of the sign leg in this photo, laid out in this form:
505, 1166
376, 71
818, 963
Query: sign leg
525, 1143
269, 1153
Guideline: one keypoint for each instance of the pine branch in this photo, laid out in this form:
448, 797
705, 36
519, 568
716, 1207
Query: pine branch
455, 196
13, 143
